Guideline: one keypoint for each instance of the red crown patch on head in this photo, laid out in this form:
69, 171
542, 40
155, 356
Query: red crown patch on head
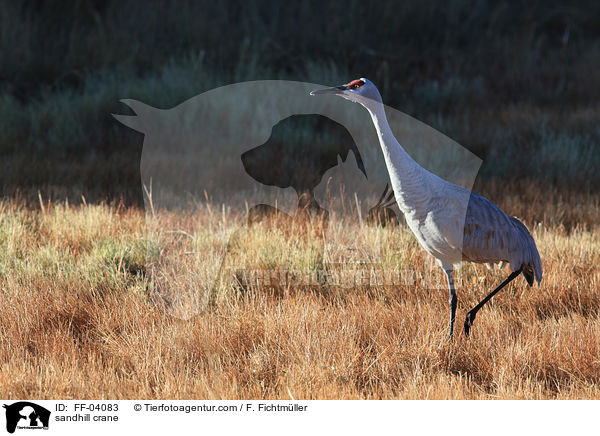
355, 84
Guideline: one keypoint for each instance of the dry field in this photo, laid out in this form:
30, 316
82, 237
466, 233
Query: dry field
80, 316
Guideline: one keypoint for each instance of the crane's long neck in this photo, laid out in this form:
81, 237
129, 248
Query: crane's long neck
408, 178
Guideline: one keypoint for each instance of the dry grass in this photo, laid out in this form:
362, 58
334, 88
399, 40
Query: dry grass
79, 318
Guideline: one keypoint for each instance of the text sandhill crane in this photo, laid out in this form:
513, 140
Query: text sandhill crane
437, 212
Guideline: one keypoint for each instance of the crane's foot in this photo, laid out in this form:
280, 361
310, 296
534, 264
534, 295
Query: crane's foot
469, 322
451, 327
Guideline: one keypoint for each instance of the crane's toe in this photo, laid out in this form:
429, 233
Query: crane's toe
469, 322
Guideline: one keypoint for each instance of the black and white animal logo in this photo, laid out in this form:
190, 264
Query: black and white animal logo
26, 415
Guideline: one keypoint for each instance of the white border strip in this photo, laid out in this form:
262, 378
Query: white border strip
265, 417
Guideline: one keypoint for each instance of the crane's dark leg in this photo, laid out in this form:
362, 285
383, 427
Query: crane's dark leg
453, 299
473, 312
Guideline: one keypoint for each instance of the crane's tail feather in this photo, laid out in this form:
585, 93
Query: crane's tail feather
528, 274
532, 263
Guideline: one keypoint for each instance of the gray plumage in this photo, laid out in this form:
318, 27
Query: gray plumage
491, 236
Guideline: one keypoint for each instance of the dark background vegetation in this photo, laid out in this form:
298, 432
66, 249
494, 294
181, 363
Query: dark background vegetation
516, 82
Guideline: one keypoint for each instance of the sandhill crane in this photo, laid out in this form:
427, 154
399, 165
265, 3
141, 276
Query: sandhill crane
450, 222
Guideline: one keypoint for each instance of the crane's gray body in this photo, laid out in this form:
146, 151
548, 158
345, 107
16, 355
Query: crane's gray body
492, 236
455, 225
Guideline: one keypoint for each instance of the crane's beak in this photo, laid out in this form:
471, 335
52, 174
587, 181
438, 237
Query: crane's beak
334, 90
